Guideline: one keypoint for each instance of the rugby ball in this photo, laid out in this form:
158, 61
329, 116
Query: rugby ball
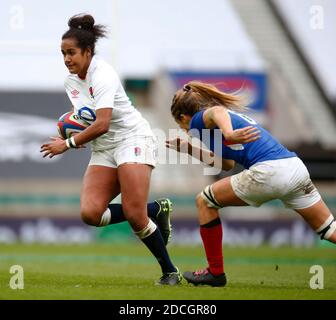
70, 123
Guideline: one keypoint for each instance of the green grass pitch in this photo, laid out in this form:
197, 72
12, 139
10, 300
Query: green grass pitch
128, 272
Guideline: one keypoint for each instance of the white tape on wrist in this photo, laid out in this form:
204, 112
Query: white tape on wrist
67, 143
72, 142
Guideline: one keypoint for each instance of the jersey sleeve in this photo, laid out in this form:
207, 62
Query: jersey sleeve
104, 91
67, 88
197, 121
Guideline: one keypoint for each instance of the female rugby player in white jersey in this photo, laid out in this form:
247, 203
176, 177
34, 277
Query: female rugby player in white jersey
123, 146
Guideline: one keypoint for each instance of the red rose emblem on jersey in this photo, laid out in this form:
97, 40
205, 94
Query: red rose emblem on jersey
137, 151
91, 92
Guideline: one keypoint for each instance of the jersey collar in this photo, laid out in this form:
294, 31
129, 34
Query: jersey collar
92, 67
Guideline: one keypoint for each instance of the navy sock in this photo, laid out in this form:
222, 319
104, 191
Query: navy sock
117, 214
155, 244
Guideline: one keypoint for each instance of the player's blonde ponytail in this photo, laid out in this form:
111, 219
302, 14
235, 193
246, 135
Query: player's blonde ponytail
196, 95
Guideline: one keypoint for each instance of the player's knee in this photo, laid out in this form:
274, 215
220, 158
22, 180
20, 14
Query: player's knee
207, 198
89, 219
90, 216
200, 202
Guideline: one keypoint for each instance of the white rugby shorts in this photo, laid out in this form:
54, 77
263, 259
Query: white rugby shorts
134, 150
285, 179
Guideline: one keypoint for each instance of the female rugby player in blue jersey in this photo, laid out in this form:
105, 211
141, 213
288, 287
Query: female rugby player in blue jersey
271, 171
123, 146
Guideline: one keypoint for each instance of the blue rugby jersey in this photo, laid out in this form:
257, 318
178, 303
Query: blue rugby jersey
263, 149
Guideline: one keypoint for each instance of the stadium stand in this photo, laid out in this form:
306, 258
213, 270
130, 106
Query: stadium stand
310, 27
238, 40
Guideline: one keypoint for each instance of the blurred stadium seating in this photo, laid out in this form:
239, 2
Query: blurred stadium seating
265, 48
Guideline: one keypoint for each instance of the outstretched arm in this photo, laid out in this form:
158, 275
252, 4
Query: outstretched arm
204, 155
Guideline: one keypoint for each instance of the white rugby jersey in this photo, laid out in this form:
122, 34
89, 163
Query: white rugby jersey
102, 89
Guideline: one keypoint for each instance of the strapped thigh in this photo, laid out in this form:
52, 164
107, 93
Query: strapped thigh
208, 196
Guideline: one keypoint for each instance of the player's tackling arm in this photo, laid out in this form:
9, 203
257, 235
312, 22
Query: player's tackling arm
204, 155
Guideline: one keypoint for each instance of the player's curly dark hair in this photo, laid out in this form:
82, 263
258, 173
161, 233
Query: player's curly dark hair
83, 29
